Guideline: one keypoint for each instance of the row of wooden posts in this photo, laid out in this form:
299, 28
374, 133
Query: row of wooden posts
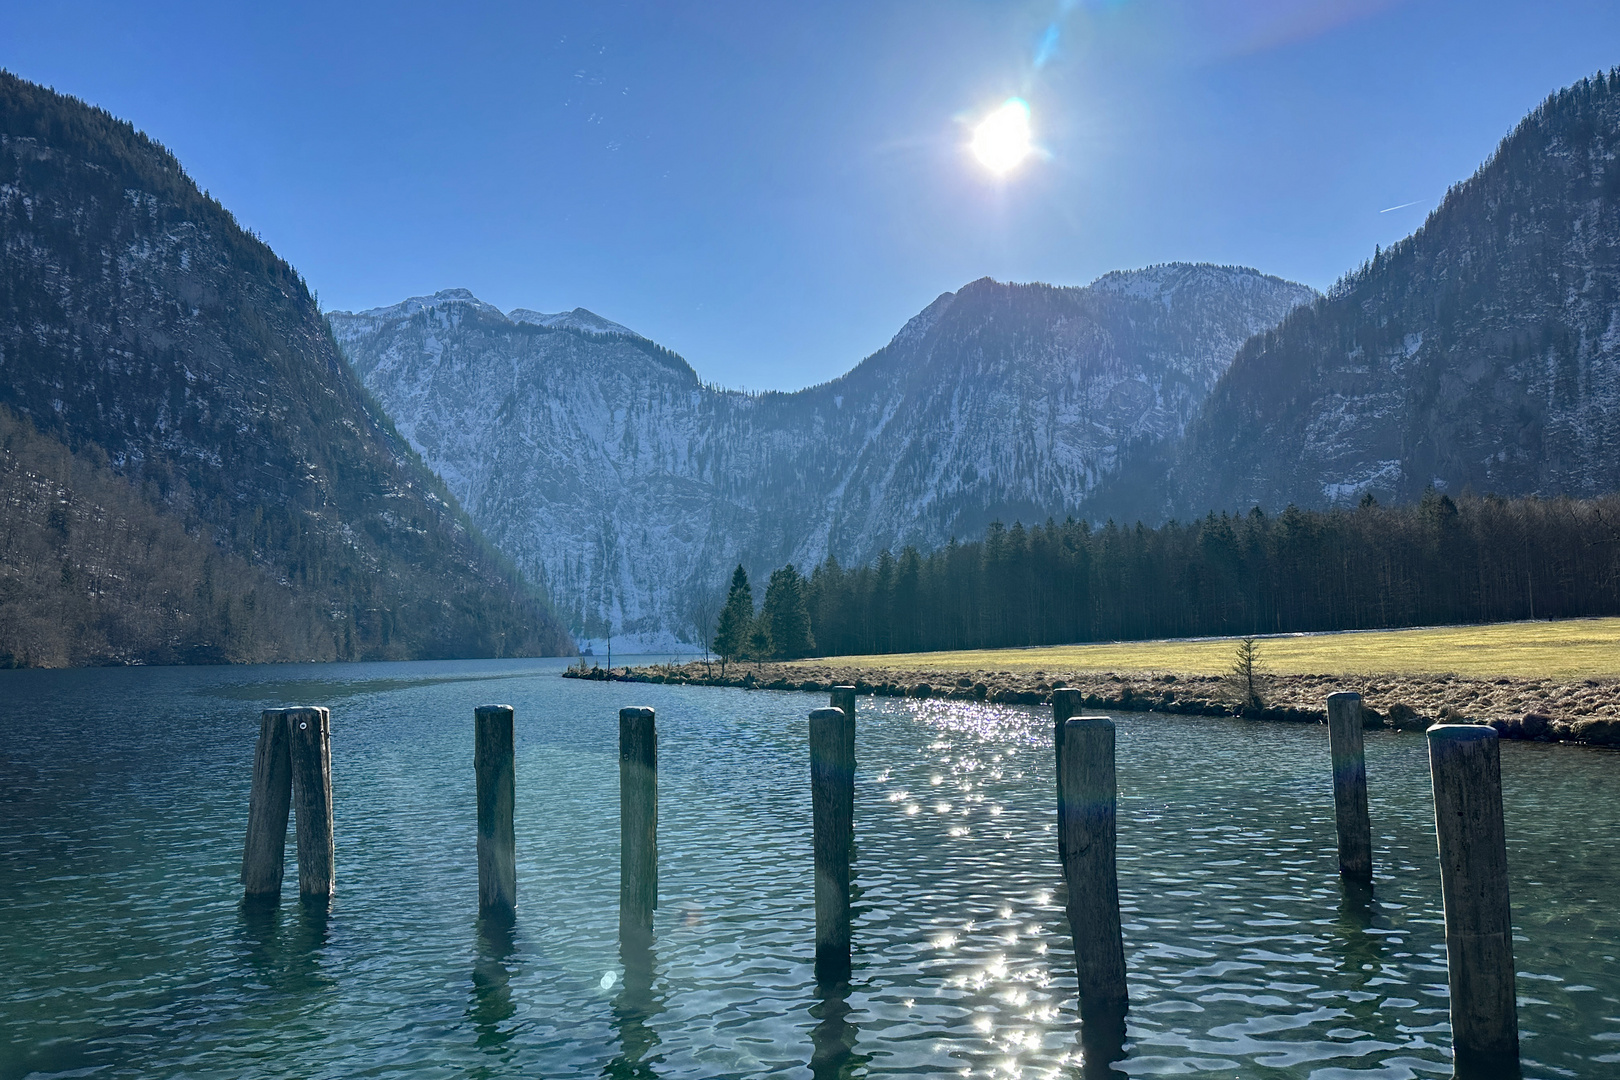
292, 768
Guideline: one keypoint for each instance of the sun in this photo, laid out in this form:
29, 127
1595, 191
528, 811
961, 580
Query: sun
1001, 140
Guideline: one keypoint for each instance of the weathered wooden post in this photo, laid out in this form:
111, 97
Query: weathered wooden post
843, 697
1086, 823
310, 734
638, 823
494, 766
832, 780
264, 855
1350, 786
1066, 704
1465, 767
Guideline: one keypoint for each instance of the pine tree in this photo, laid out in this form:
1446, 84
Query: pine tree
759, 641
787, 615
736, 619
1243, 681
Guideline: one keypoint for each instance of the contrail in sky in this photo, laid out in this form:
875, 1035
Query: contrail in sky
1403, 206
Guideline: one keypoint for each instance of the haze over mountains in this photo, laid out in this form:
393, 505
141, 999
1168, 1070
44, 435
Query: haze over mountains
604, 466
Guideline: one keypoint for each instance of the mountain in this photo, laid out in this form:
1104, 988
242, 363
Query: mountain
1482, 352
602, 465
191, 470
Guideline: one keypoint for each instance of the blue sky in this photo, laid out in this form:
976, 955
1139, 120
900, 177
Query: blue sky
771, 189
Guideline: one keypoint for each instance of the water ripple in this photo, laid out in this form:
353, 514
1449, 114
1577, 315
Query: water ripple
129, 952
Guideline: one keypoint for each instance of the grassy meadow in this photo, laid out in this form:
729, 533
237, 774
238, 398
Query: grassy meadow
1564, 650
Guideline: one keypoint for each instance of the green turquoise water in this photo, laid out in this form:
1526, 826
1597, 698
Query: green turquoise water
125, 950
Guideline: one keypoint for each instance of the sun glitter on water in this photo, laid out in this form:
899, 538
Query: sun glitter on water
1001, 141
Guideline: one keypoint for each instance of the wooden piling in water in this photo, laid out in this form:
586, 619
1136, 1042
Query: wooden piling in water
494, 766
832, 798
843, 697
638, 823
309, 733
1345, 748
264, 854
1066, 704
1465, 768
1086, 824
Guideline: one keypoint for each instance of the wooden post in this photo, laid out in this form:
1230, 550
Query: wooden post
1465, 767
1350, 786
1086, 812
843, 697
495, 769
264, 855
832, 780
1066, 704
310, 732
638, 823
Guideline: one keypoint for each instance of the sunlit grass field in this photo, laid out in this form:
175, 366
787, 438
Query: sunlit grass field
1569, 649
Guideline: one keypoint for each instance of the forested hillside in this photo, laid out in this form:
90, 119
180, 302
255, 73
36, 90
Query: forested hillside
1481, 353
164, 348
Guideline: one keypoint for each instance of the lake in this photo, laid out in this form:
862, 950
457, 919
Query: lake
126, 951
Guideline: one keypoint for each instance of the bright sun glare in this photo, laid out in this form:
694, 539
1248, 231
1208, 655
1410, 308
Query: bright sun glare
1001, 141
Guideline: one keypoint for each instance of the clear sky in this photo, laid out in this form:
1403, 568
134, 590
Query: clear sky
773, 189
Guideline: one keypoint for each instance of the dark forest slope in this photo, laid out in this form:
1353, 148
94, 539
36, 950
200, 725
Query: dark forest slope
1482, 352
146, 332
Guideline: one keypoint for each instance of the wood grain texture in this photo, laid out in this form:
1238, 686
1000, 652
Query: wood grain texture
310, 735
264, 854
1066, 704
494, 766
843, 697
1465, 767
1345, 748
638, 823
1086, 819
832, 782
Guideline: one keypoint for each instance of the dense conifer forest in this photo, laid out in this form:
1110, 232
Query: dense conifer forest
1441, 561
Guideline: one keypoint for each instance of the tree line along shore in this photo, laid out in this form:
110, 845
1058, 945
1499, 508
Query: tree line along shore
1441, 561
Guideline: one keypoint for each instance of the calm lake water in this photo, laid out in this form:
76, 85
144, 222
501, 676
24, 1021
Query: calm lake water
125, 950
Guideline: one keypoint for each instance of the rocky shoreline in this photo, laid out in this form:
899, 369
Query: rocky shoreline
1548, 710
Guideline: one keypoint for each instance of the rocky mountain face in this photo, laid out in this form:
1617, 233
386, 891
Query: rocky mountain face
164, 375
1482, 352
607, 470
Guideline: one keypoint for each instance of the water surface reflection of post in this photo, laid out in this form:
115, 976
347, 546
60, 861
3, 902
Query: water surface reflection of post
633, 1011
490, 1005
833, 1039
308, 944
1360, 954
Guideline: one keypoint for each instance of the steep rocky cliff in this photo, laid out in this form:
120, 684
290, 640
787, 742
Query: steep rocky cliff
606, 469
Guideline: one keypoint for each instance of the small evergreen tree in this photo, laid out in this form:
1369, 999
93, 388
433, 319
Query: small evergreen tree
786, 615
736, 619
759, 640
1243, 681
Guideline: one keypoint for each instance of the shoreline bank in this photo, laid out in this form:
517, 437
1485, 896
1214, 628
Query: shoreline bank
1585, 711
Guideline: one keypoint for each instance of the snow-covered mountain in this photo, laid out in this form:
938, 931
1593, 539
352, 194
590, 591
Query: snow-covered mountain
601, 464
